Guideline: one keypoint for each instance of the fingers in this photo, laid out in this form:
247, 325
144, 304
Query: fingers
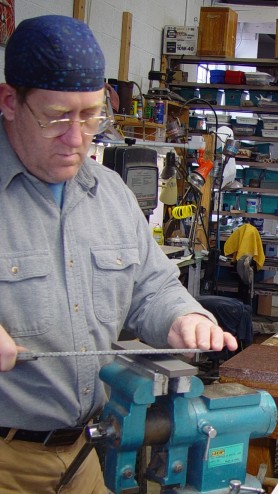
8, 351
197, 331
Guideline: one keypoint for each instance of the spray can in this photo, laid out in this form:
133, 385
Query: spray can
149, 109
159, 112
158, 234
133, 110
139, 109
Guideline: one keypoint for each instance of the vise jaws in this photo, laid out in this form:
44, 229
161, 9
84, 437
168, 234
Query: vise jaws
198, 435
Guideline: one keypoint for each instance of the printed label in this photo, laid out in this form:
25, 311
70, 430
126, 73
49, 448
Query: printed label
225, 455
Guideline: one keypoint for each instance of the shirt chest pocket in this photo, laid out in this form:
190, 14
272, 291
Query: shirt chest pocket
113, 282
25, 293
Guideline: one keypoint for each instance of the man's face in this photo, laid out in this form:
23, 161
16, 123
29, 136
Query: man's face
55, 159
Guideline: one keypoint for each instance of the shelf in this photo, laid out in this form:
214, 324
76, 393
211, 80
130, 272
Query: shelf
243, 214
259, 288
256, 164
240, 137
234, 109
244, 87
255, 138
248, 62
257, 190
126, 121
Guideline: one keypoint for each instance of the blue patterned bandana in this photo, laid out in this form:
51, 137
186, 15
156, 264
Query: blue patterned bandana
54, 52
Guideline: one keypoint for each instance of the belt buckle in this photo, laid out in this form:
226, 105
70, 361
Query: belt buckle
63, 437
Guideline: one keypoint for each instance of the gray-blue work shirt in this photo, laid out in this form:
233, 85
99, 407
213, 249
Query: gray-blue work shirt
70, 280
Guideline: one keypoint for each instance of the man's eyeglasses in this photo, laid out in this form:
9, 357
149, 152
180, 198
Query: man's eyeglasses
91, 126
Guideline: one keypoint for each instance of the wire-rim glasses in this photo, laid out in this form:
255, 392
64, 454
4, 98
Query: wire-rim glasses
90, 126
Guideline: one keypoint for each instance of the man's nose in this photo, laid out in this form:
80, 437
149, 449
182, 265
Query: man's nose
74, 133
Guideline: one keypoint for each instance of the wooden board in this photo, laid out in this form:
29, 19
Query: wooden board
79, 9
125, 46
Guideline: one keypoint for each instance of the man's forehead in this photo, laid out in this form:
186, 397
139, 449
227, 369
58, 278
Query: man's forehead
65, 100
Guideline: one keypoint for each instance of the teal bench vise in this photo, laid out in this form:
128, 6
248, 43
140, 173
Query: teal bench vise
198, 435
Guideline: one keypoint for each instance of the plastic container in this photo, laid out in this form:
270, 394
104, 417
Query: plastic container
217, 76
246, 120
274, 95
232, 97
212, 95
269, 133
270, 122
158, 234
235, 77
244, 130
270, 125
192, 123
197, 123
258, 78
269, 204
187, 93
222, 119
252, 205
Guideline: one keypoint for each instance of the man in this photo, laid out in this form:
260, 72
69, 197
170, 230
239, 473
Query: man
74, 270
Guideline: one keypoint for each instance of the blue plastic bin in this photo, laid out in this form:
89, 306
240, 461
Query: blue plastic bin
217, 76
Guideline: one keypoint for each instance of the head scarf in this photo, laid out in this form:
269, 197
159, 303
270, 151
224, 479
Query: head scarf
54, 52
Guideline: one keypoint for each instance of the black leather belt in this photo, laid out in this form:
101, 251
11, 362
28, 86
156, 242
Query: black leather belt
58, 437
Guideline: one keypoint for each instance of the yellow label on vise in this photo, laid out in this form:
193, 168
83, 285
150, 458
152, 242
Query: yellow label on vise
225, 455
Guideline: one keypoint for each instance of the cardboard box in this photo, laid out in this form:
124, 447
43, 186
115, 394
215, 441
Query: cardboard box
180, 40
180, 76
217, 32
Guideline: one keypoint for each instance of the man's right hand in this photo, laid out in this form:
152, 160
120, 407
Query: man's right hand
8, 351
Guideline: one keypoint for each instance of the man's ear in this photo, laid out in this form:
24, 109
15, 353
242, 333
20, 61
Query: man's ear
8, 101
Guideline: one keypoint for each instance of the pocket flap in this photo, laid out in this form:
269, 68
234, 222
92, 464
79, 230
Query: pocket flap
116, 259
23, 266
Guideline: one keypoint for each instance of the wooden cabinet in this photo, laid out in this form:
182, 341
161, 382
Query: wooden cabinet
217, 32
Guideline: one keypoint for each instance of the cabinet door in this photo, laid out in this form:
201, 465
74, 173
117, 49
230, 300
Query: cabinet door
217, 32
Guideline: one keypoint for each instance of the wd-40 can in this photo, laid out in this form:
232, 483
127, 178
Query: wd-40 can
159, 112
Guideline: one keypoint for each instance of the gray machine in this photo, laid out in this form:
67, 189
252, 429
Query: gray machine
138, 168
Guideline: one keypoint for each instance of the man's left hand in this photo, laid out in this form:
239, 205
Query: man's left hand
197, 331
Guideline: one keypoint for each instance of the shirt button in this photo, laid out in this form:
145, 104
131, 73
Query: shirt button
14, 269
71, 263
119, 261
76, 307
86, 391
